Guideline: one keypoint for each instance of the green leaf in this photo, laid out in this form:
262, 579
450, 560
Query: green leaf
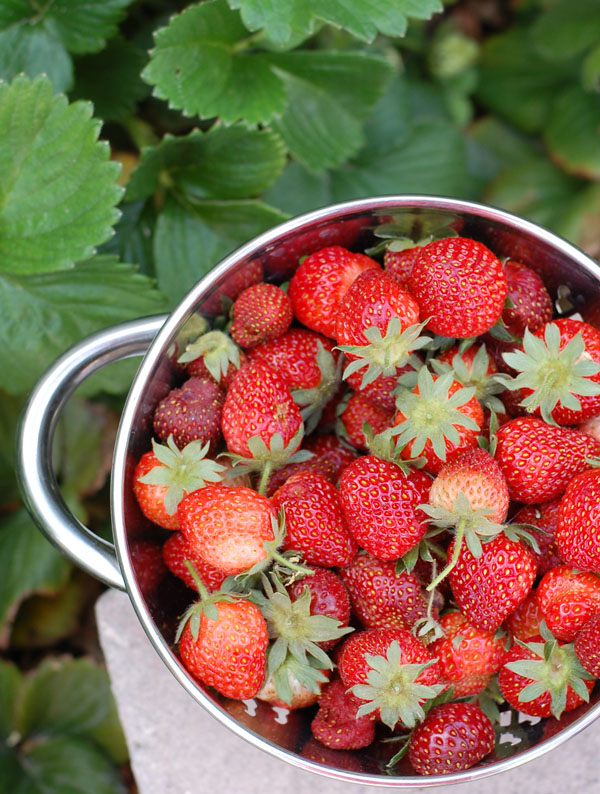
111, 79
10, 686
198, 66
9, 419
62, 308
225, 162
82, 25
57, 185
284, 22
518, 84
238, 221
567, 29
132, 240
33, 50
573, 132
30, 565
590, 70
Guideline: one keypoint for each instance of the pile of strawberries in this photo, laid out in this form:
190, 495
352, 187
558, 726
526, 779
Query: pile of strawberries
380, 482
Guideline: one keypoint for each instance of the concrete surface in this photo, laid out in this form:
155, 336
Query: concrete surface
178, 748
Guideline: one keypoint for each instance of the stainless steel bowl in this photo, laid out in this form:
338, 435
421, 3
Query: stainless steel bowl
569, 274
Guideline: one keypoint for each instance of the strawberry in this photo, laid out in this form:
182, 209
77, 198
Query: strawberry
543, 677
399, 264
437, 419
558, 370
336, 723
261, 312
377, 326
567, 598
379, 392
314, 520
328, 596
223, 642
164, 475
381, 597
525, 621
488, 587
191, 412
299, 695
452, 737
459, 285
219, 302
315, 751
147, 563
467, 656
330, 448
358, 411
258, 408
577, 531
392, 672
313, 464
544, 516
320, 282
176, 553
531, 302
381, 506
587, 645
538, 459
213, 355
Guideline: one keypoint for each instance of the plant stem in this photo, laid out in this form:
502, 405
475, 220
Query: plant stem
458, 539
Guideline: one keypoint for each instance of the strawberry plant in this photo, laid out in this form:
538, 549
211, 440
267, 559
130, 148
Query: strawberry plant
143, 140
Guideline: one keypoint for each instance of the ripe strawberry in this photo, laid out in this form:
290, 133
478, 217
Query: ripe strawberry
258, 405
381, 597
314, 750
223, 644
489, 587
330, 448
320, 282
190, 413
176, 552
147, 563
567, 599
587, 645
357, 412
467, 656
543, 677
336, 723
381, 505
379, 392
397, 682
313, 464
525, 621
452, 737
558, 370
261, 312
233, 285
459, 285
577, 530
544, 516
438, 419
399, 264
538, 459
314, 520
164, 475
328, 596
227, 527
531, 301
213, 355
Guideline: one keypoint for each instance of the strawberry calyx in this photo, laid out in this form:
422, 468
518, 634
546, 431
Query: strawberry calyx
551, 375
295, 635
385, 445
287, 563
217, 349
393, 690
386, 353
476, 374
554, 668
266, 457
182, 471
311, 401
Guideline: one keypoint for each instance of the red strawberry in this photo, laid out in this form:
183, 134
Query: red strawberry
467, 656
191, 412
336, 723
532, 304
314, 465
379, 392
544, 678
538, 459
452, 737
219, 302
459, 285
330, 448
176, 552
381, 597
577, 529
315, 751
259, 404
408, 674
261, 312
567, 599
328, 596
489, 587
544, 516
359, 411
524, 623
319, 284
225, 647
227, 527
558, 370
399, 264
314, 520
147, 562
587, 645
381, 505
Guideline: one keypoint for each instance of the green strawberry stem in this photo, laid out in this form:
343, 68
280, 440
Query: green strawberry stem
264, 477
197, 580
458, 539
290, 564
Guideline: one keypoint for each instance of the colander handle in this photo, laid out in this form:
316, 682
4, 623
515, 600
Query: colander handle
35, 434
